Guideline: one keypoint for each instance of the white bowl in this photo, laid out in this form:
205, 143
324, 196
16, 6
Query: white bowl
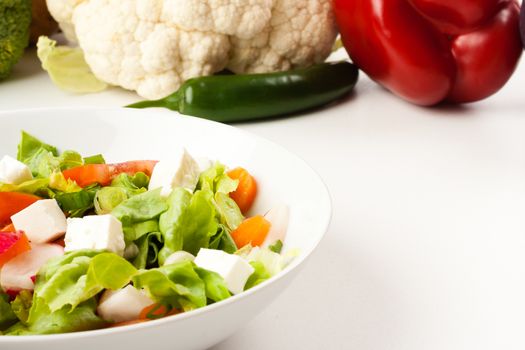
123, 134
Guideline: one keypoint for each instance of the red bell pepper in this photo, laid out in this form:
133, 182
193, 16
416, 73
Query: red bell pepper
429, 51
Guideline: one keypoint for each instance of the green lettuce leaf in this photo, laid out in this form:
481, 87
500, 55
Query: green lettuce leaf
215, 285
84, 277
149, 246
7, 316
143, 207
96, 159
171, 222
260, 275
122, 188
188, 221
66, 286
67, 67
30, 145
215, 179
22, 304
42, 321
32, 186
177, 285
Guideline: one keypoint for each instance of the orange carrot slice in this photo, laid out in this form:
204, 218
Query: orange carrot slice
251, 231
246, 191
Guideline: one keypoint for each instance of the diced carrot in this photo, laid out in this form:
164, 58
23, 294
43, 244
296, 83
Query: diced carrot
155, 311
251, 231
11, 245
246, 191
13, 202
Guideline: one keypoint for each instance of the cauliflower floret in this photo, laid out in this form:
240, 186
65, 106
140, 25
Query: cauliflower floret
153, 46
301, 32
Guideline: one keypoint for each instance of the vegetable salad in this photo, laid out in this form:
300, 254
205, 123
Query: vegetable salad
85, 244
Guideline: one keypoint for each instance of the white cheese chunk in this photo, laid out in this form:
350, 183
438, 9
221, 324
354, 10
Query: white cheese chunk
18, 273
123, 304
95, 232
181, 170
43, 221
234, 269
14, 172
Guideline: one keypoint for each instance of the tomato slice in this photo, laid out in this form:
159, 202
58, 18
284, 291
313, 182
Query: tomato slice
13, 202
11, 245
89, 174
102, 174
132, 167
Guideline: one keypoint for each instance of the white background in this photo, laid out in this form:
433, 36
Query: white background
426, 249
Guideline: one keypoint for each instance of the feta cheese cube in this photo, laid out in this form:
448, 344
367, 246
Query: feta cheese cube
123, 304
234, 269
95, 232
179, 171
43, 221
14, 172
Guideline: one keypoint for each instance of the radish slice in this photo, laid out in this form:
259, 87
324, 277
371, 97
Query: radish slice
18, 272
278, 216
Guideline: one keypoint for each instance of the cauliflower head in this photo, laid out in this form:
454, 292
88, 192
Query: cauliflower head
153, 46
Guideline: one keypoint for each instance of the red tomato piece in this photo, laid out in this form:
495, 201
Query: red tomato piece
13, 202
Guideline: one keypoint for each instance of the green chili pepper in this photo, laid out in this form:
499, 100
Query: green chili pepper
235, 98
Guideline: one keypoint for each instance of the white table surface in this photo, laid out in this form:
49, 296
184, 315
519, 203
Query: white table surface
426, 249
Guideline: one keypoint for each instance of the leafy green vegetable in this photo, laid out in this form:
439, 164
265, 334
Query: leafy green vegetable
31, 186
172, 221
142, 207
108, 198
30, 145
58, 182
215, 285
96, 159
229, 212
66, 286
22, 304
82, 278
67, 67
177, 285
70, 159
122, 187
260, 275
223, 240
42, 321
77, 203
15, 20
276, 247
149, 246
107, 271
54, 264
215, 179
7, 316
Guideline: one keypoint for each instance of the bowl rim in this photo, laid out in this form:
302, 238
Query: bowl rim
296, 263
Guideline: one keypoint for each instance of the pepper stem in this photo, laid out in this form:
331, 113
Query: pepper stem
148, 104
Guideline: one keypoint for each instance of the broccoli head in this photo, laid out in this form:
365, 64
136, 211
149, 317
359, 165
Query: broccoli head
15, 19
